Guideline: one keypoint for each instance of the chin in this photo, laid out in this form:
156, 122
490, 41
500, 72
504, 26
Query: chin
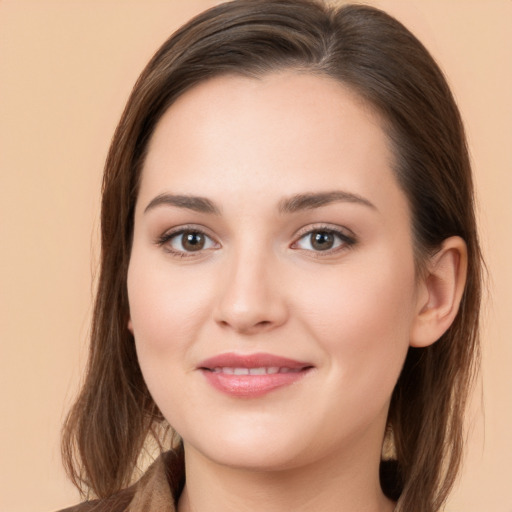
248, 449
260, 448
253, 458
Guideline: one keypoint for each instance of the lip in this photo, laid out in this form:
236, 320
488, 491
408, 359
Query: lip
265, 373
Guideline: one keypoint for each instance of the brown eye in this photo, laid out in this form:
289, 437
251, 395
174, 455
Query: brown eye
193, 241
322, 240
187, 241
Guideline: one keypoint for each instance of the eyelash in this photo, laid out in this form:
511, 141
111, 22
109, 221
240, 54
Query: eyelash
344, 241
167, 237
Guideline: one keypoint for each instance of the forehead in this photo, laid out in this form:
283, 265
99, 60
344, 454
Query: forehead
296, 130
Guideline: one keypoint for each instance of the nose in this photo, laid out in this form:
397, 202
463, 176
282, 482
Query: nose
252, 298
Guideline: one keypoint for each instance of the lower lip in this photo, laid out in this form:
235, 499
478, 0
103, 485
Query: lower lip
251, 386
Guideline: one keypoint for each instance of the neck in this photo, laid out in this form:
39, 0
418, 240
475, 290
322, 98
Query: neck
323, 486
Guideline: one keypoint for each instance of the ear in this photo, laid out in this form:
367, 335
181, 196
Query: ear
440, 292
130, 325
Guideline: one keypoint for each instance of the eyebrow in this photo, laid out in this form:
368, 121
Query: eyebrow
298, 202
195, 203
310, 201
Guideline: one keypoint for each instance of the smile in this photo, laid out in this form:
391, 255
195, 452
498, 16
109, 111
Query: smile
252, 376
255, 371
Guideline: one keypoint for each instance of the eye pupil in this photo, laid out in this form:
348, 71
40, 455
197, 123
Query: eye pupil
322, 240
193, 241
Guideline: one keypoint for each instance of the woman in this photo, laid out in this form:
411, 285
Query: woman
290, 277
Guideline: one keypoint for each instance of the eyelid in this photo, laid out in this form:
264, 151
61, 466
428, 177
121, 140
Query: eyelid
168, 235
347, 237
326, 226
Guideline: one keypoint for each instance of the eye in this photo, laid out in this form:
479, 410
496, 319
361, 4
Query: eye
323, 240
186, 241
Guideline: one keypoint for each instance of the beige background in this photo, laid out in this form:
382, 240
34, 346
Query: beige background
66, 69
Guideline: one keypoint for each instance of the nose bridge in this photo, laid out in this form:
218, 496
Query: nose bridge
251, 299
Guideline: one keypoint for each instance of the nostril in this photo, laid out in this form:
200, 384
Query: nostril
247, 327
263, 323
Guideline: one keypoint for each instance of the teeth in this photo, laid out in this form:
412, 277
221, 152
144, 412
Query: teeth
254, 371
257, 371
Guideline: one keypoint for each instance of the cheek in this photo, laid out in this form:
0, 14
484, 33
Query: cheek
362, 320
167, 312
348, 303
167, 308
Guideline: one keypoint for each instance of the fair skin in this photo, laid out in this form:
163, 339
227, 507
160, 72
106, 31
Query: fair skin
269, 221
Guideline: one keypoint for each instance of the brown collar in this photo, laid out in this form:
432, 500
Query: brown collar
153, 491
157, 491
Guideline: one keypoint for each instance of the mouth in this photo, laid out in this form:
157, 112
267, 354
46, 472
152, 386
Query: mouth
252, 376
271, 370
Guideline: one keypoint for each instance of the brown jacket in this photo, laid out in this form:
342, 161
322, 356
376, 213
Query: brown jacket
157, 491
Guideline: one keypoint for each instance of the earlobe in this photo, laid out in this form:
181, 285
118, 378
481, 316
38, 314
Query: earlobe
130, 325
441, 292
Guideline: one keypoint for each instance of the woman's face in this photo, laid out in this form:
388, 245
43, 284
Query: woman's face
272, 285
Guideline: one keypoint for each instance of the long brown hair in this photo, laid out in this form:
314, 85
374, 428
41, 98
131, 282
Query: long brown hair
379, 59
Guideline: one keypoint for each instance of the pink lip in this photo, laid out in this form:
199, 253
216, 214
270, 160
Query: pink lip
282, 372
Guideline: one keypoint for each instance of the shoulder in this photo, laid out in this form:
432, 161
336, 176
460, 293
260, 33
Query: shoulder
156, 491
117, 503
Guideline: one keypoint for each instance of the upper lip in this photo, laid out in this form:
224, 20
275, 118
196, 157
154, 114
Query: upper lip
260, 360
